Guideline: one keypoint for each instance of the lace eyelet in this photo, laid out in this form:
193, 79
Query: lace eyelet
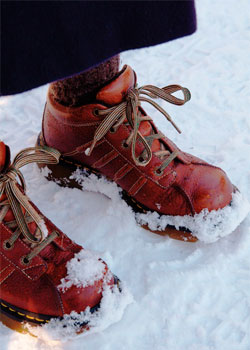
158, 172
7, 245
141, 159
95, 112
25, 261
112, 130
125, 145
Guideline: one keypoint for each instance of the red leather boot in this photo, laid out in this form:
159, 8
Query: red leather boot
169, 190
44, 276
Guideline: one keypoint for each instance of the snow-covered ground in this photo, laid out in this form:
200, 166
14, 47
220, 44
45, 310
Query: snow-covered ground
191, 296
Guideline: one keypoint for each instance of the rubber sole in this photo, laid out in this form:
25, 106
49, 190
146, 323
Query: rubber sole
61, 173
17, 319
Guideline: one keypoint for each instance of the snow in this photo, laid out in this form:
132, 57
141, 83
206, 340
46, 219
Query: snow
83, 270
43, 227
207, 226
192, 296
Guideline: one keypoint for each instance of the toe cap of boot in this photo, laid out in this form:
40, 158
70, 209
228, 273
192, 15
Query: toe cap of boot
212, 189
77, 298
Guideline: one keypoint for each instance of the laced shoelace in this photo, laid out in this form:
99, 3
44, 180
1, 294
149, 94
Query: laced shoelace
16, 200
129, 109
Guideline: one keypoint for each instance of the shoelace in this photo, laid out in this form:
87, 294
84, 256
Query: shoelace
16, 200
129, 109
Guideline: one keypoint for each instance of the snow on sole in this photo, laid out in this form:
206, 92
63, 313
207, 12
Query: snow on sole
24, 321
205, 226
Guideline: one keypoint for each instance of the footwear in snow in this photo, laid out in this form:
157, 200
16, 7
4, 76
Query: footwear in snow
44, 276
113, 136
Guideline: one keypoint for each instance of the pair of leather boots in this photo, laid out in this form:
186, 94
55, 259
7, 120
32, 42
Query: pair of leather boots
111, 137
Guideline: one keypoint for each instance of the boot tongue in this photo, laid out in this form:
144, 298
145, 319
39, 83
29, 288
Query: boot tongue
4, 156
115, 92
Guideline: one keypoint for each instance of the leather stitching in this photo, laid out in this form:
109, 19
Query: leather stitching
8, 275
134, 167
137, 186
124, 170
32, 267
180, 189
109, 157
57, 293
17, 267
4, 269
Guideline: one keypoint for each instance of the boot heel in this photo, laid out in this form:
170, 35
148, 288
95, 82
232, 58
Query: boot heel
59, 173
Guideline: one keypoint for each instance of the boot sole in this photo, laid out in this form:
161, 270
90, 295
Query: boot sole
17, 319
61, 172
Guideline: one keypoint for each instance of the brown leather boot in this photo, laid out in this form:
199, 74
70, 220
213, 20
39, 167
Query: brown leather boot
46, 279
113, 136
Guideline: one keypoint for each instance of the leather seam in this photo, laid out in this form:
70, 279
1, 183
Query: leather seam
4, 268
135, 184
180, 189
41, 260
123, 174
7, 276
17, 267
82, 148
59, 299
26, 268
134, 167
111, 156
12, 263
173, 179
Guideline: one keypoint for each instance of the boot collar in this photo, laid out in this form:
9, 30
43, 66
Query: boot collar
114, 92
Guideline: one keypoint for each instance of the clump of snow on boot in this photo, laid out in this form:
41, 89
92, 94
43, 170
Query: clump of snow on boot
83, 270
97, 184
44, 228
207, 226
